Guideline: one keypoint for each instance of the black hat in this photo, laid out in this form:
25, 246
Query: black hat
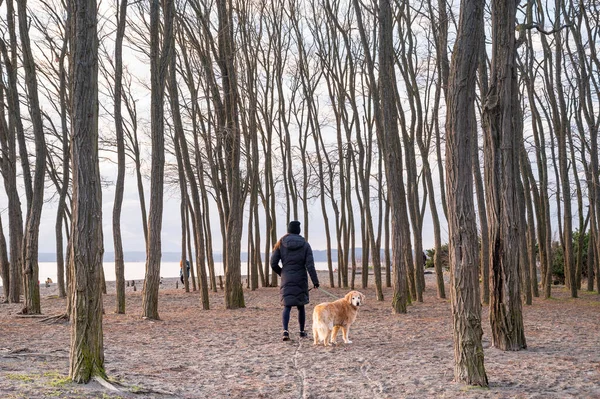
294, 227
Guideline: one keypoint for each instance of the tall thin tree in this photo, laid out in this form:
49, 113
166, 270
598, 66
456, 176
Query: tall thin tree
86, 358
118, 241
159, 57
34, 213
463, 247
502, 147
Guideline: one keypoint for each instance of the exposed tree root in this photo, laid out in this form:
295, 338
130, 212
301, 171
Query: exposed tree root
136, 389
59, 318
105, 383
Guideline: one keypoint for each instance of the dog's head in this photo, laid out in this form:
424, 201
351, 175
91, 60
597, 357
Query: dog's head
355, 298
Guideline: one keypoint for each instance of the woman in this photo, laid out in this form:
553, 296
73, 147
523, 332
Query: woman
296, 257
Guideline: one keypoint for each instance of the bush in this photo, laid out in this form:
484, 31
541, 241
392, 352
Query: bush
444, 257
558, 262
558, 256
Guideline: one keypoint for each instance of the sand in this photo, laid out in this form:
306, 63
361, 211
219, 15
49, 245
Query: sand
219, 353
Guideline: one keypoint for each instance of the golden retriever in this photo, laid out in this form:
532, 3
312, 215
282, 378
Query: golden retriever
329, 317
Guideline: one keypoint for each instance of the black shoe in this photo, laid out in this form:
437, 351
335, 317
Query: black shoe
286, 335
303, 334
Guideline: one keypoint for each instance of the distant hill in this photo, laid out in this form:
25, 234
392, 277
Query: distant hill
140, 256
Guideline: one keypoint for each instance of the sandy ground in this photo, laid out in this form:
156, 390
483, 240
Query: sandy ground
191, 353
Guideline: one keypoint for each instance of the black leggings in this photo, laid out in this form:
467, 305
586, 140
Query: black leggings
286, 317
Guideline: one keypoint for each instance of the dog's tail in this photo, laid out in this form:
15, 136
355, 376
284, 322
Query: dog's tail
321, 328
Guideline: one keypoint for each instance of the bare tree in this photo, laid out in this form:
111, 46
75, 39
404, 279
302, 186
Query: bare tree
234, 294
159, 57
464, 252
388, 133
502, 148
86, 358
8, 164
120, 185
30, 240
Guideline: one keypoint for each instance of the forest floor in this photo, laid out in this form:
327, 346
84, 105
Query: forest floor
219, 353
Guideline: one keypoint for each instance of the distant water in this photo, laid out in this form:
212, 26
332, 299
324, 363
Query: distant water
137, 270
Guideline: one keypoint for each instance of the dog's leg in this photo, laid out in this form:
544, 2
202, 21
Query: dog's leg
345, 332
315, 334
334, 333
326, 336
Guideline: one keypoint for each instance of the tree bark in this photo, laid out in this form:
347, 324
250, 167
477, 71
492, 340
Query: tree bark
34, 213
158, 76
118, 242
13, 284
234, 294
463, 247
502, 145
4, 264
389, 134
87, 352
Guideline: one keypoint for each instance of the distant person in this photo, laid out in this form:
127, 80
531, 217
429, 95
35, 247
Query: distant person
296, 257
48, 282
187, 270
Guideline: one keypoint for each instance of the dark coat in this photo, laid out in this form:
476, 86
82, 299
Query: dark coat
297, 258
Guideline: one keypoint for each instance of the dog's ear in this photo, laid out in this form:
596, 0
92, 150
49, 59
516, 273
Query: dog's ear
348, 297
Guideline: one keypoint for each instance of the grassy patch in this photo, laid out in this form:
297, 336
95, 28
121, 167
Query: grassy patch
57, 380
20, 377
60, 382
135, 388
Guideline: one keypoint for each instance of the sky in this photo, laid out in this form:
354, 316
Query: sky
131, 223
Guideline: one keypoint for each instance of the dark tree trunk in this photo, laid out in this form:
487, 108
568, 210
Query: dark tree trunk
13, 284
389, 134
86, 358
4, 264
118, 242
463, 247
234, 294
502, 146
34, 213
158, 76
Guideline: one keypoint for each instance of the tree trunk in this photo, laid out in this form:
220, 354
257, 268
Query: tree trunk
87, 351
158, 76
530, 231
4, 264
463, 247
34, 213
388, 133
502, 145
118, 243
234, 294
13, 284
14, 59
479, 187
